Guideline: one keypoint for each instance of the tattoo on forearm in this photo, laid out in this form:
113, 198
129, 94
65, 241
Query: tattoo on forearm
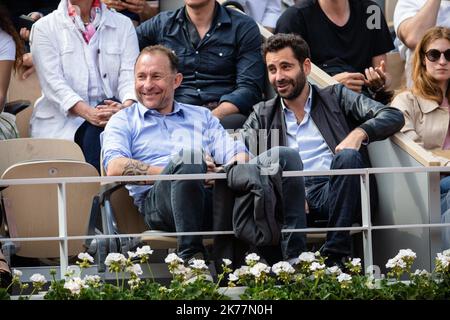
135, 168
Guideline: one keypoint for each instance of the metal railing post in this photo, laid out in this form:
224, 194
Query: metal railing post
62, 226
366, 221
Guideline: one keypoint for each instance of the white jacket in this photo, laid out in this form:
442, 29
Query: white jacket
59, 58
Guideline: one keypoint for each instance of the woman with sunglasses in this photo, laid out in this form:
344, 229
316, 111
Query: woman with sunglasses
426, 106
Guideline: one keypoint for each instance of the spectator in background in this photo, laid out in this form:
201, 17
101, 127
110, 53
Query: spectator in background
265, 12
343, 41
35, 10
220, 58
84, 55
426, 105
11, 50
136, 10
412, 18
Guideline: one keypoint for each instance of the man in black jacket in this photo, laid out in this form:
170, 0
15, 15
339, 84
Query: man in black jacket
327, 127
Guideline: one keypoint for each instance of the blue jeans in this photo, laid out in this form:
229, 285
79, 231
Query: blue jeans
337, 200
181, 205
445, 210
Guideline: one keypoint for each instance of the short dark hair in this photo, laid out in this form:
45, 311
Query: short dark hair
280, 41
173, 59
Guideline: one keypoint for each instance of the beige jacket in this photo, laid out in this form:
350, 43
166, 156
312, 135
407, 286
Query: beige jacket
425, 121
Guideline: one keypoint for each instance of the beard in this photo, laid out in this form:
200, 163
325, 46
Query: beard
297, 86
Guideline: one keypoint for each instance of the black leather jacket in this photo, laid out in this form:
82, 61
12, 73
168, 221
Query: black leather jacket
336, 111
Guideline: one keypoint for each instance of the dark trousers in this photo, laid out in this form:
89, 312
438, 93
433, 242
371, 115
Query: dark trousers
181, 205
88, 138
336, 199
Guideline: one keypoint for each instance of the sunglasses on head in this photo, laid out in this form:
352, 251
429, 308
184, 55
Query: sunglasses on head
434, 55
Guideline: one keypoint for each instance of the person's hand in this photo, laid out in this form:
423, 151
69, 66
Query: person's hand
353, 140
115, 4
211, 168
376, 77
27, 66
352, 80
136, 6
35, 15
24, 34
109, 109
98, 116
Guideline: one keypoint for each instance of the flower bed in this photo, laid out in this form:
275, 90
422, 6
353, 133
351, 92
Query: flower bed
308, 278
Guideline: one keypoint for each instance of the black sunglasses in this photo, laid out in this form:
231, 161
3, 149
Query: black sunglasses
434, 55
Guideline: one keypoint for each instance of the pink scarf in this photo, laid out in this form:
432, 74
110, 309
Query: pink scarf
87, 30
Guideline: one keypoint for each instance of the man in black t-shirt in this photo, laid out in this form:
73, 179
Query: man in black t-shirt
349, 40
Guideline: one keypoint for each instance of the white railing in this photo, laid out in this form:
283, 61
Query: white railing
364, 174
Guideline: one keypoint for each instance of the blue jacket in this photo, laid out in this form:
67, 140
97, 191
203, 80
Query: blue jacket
226, 65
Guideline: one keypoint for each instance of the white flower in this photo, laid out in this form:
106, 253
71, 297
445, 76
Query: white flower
232, 277
135, 269
396, 262
251, 258
38, 279
421, 272
408, 253
443, 259
242, 271
226, 262
446, 252
144, 251
115, 257
334, 270
17, 273
198, 264
85, 256
344, 277
75, 285
315, 266
181, 270
134, 283
173, 258
73, 271
92, 280
307, 257
282, 266
356, 262
132, 254
259, 268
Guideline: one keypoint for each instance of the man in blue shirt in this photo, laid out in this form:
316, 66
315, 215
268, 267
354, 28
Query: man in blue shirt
159, 135
219, 50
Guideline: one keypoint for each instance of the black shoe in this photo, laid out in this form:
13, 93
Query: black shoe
337, 260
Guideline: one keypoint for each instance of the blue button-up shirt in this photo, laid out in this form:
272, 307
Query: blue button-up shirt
226, 65
146, 135
307, 139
